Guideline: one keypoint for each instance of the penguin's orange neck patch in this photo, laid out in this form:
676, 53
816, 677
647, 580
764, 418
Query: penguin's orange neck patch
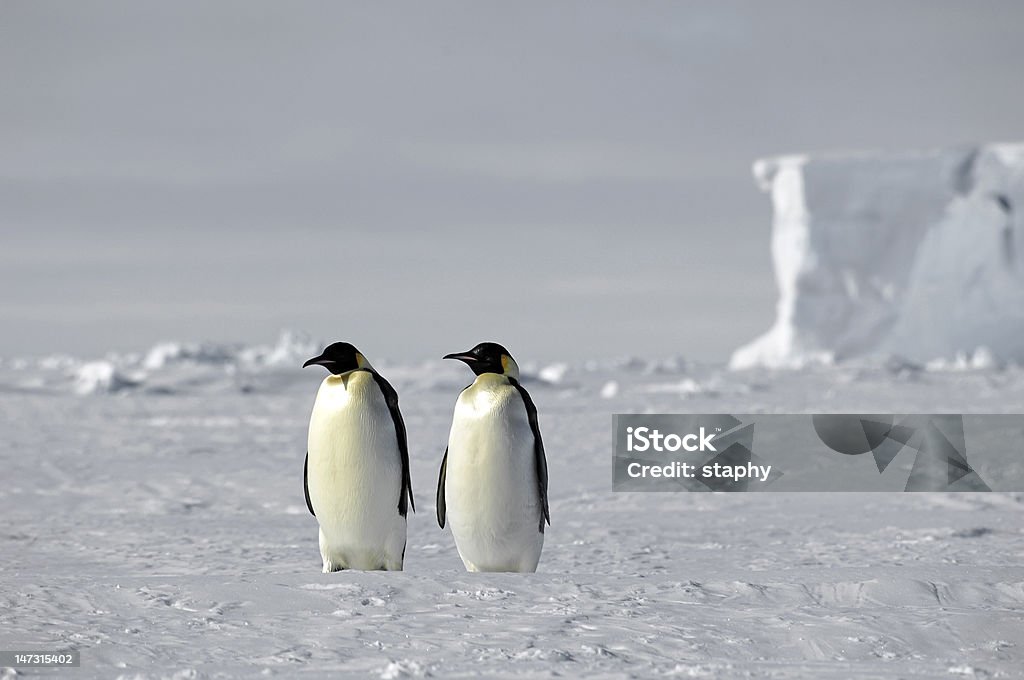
509, 367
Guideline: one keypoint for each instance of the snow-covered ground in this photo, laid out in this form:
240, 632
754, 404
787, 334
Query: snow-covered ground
154, 519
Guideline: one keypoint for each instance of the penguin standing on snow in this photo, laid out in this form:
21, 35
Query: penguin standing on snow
356, 474
493, 485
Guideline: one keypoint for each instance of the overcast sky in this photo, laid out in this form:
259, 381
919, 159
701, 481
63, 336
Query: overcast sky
571, 179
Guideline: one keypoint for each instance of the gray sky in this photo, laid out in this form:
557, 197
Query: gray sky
571, 179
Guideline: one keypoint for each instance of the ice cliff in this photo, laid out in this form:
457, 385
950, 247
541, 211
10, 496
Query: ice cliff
919, 255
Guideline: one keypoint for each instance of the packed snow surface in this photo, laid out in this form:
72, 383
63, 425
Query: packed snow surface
913, 254
160, 528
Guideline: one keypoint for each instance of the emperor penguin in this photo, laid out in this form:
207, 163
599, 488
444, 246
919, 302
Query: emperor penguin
356, 474
493, 485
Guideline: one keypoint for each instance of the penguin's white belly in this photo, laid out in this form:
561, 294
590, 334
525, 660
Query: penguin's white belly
354, 475
491, 489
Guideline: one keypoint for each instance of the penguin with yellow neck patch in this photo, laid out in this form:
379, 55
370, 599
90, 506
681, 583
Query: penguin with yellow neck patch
493, 486
356, 474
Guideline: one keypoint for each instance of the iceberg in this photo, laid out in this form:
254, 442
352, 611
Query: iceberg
914, 254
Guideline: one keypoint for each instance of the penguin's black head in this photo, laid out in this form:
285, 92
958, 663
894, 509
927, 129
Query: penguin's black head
488, 357
338, 358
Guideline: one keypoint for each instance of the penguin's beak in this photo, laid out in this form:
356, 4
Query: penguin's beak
465, 357
315, 361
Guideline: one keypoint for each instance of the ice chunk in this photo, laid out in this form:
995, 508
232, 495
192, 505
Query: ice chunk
915, 254
980, 360
161, 354
553, 373
101, 376
165, 353
292, 348
610, 389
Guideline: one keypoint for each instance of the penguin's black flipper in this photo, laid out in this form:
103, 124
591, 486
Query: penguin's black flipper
540, 459
405, 499
305, 484
442, 509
